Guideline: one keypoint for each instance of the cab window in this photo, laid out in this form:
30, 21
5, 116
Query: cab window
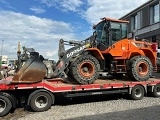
115, 31
118, 31
101, 32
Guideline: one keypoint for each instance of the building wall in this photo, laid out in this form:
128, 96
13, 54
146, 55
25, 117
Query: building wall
145, 20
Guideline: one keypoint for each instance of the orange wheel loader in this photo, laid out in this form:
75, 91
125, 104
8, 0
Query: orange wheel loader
107, 50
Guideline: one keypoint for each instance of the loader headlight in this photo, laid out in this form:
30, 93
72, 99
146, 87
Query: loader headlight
88, 45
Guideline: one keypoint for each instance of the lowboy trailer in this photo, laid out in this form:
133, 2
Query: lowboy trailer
40, 96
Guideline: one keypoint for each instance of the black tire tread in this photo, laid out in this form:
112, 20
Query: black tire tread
154, 93
133, 96
77, 76
132, 73
8, 107
34, 107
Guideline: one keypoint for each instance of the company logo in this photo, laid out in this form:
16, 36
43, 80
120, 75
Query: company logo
77, 50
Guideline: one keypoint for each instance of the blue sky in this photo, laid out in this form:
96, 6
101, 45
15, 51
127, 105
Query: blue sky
41, 23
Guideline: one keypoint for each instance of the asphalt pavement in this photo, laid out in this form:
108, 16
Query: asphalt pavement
147, 113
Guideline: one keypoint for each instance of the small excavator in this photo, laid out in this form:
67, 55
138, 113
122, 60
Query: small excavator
107, 50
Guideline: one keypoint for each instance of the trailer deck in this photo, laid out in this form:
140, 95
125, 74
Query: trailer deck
58, 84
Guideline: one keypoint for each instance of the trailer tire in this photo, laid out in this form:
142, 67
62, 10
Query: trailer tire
137, 92
41, 101
5, 105
156, 91
140, 68
85, 69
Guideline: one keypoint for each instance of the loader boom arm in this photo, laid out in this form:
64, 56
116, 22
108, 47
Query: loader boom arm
66, 56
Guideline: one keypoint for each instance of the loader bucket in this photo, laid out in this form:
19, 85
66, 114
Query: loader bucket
32, 71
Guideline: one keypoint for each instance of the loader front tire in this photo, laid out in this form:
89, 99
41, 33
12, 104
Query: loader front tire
140, 68
85, 69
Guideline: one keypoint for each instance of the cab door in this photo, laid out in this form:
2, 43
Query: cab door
118, 31
102, 36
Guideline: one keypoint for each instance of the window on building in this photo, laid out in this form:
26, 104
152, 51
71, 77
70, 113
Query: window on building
134, 22
155, 13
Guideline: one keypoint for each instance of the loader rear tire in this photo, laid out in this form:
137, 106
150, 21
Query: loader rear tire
141, 68
85, 69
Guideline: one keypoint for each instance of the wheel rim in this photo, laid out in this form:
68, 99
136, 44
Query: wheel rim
41, 101
142, 68
86, 69
138, 93
158, 90
2, 105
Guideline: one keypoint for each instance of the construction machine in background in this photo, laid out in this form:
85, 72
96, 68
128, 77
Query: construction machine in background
107, 50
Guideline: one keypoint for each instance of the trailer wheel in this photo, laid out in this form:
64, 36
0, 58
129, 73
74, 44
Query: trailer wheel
5, 105
40, 102
85, 69
156, 91
141, 68
137, 92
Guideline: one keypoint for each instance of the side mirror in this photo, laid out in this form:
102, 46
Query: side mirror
95, 34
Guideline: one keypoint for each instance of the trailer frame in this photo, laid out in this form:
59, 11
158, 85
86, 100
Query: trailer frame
40, 96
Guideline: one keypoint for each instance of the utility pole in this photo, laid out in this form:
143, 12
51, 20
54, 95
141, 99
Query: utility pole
2, 48
1, 52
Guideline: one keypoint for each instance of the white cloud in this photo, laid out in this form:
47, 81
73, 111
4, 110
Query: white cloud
64, 5
109, 8
51, 53
37, 10
93, 10
39, 33
71, 5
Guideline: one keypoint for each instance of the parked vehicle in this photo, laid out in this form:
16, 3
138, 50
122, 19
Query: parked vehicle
4, 62
37, 80
108, 50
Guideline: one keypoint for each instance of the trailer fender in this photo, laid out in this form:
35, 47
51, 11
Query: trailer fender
40, 90
11, 97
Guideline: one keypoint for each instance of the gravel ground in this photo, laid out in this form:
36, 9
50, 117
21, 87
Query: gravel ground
98, 107
112, 107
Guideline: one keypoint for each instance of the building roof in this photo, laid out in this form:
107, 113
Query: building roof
140, 7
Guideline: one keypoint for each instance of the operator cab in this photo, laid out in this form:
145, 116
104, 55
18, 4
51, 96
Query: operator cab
109, 31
